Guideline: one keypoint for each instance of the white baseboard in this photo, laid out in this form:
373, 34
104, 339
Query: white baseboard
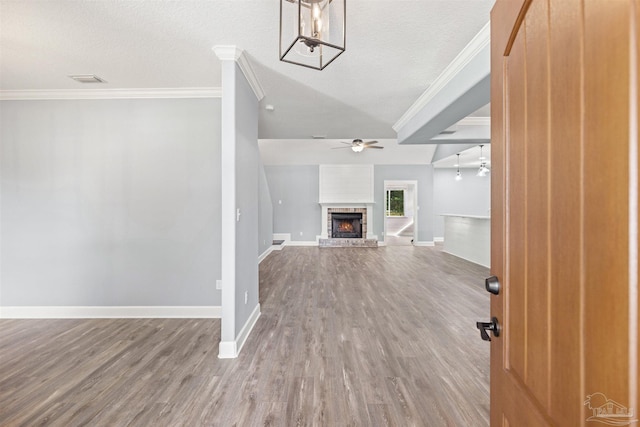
438, 239
97, 312
227, 350
231, 349
248, 327
267, 252
382, 243
423, 244
301, 243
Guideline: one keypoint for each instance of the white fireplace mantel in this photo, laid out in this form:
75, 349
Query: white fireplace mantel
359, 205
346, 186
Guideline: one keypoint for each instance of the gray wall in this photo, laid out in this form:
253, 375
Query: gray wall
110, 202
297, 188
266, 213
421, 173
470, 196
247, 199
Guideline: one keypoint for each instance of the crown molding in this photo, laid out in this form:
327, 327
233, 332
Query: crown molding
232, 53
252, 78
470, 51
161, 93
227, 53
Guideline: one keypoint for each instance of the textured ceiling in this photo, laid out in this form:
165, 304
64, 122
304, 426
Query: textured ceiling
317, 152
395, 49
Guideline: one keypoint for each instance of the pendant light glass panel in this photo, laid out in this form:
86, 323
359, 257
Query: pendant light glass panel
312, 32
482, 171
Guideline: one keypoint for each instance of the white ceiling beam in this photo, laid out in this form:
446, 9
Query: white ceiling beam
462, 88
479, 134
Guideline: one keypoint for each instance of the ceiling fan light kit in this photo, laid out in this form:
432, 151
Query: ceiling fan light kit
312, 32
358, 145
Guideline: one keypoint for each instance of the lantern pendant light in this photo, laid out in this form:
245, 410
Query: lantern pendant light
482, 171
312, 32
458, 176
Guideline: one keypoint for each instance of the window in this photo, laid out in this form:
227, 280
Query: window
395, 203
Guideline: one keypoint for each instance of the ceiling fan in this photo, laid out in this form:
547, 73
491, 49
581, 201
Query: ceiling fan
358, 145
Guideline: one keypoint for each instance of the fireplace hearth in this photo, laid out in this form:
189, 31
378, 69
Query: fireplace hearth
346, 225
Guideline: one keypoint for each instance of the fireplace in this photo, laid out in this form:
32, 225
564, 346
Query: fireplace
346, 225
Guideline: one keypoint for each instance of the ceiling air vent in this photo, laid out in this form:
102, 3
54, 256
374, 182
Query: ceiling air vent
87, 78
447, 132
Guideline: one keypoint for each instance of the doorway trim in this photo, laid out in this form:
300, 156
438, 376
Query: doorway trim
400, 184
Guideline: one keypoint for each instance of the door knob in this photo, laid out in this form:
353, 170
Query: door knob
492, 284
493, 326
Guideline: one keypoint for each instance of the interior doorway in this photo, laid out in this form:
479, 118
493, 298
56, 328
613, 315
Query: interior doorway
400, 213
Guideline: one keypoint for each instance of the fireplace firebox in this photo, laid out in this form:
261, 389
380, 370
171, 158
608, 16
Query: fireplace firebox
346, 225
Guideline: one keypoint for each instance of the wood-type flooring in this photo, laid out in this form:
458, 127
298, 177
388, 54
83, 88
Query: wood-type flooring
347, 337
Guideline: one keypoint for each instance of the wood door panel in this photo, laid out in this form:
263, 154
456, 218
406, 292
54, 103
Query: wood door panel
521, 408
566, 392
565, 156
515, 322
537, 191
498, 214
635, 311
606, 208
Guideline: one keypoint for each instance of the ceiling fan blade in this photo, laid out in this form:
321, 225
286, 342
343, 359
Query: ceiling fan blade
373, 146
348, 143
370, 143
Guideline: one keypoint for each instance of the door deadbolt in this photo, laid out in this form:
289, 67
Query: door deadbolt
492, 285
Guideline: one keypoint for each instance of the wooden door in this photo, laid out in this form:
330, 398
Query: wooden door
565, 212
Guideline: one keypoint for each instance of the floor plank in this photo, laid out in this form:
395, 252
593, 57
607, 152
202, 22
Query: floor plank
348, 336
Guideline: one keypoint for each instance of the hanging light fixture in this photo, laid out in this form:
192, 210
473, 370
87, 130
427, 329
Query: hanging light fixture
482, 171
458, 176
312, 32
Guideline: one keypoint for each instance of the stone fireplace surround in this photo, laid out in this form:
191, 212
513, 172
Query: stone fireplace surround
368, 239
